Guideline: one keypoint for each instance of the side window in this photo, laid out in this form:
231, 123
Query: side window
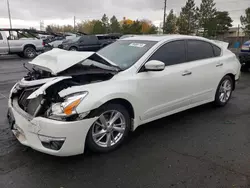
90, 40
171, 53
1, 37
82, 39
217, 51
7, 34
199, 50
13, 35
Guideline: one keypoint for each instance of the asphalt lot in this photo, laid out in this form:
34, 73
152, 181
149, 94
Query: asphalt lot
203, 147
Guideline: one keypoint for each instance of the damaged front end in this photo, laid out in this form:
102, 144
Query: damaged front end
41, 97
37, 93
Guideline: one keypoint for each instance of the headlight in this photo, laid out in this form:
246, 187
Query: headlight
72, 101
68, 107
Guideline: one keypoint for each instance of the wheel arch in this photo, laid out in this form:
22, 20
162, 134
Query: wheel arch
73, 47
233, 79
29, 45
122, 101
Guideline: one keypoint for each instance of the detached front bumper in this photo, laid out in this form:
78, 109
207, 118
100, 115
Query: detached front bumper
32, 131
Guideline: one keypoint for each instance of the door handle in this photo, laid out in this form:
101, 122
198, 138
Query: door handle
186, 73
219, 64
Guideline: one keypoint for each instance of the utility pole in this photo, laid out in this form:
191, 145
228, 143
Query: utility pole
164, 16
8, 5
238, 39
74, 23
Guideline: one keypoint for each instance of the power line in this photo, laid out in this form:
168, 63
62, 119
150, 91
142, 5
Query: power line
219, 2
232, 1
236, 10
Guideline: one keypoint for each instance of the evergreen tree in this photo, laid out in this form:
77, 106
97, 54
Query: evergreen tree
187, 21
170, 24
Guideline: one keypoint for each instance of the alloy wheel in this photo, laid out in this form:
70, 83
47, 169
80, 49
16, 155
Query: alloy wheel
30, 53
225, 91
109, 128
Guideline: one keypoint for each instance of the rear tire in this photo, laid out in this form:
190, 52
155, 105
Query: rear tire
224, 91
29, 52
72, 49
105, 138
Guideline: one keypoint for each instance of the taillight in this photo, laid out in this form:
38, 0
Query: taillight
43, 43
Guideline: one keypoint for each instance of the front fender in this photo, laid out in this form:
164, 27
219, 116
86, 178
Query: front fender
102, 92
90, 103
131, 99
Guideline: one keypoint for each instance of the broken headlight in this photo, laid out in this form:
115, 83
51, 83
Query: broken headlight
66, 110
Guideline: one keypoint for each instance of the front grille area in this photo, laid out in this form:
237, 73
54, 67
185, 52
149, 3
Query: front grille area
29, 105
22, 100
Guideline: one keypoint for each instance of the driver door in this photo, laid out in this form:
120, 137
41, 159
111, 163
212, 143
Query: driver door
165, 92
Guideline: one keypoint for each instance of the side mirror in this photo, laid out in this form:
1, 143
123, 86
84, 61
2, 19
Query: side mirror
154, 65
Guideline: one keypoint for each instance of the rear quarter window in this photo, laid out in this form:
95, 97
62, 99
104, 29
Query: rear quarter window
198, 50
217, 51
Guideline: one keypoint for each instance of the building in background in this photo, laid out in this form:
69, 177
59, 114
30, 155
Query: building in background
160, 28
42, 28
233, 32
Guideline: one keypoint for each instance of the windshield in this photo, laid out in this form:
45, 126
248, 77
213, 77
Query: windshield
125, 53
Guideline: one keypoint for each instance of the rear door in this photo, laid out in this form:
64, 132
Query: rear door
207, 70
4, 47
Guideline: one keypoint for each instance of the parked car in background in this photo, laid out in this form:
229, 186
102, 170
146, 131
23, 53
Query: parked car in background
70, 100
60, 40
244, 56
13, 42
87, 43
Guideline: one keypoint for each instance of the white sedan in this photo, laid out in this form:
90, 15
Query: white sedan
73, 100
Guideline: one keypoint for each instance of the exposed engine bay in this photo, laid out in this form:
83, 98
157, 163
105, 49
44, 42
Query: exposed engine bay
38, 93
39, 106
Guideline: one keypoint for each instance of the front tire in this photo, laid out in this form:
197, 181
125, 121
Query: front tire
111, 128
224, 91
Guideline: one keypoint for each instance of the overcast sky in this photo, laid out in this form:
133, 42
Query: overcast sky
28, 13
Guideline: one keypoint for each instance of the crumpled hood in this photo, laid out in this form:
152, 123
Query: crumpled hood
57, 60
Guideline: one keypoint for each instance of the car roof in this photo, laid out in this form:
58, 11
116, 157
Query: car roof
158, 38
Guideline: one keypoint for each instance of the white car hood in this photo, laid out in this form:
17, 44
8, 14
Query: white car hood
57, 60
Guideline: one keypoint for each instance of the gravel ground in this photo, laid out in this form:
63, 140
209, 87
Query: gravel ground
202, 147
